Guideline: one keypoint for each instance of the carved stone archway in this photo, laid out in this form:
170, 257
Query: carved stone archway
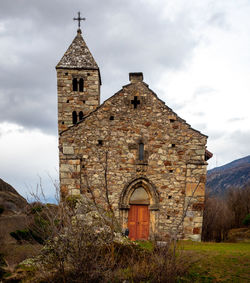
153, 207
132, 186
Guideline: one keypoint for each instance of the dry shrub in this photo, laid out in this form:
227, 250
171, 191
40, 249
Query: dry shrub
86, 246
225, 212
239, 235
132, 264
161, 264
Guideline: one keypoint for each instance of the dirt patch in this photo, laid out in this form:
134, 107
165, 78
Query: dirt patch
14, 253
10, 223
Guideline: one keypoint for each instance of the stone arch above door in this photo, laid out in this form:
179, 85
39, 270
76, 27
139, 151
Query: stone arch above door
132, 186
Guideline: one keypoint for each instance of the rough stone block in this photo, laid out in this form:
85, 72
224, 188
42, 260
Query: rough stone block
198, 219
196, 230
195, 237
68, 150
193, 190
74, 192
67, 168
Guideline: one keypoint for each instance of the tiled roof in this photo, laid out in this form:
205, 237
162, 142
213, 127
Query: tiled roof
208, 155
78, 55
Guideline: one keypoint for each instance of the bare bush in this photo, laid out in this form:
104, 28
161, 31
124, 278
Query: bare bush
216, 219
83, 247
238, 201
223, 213
83, 242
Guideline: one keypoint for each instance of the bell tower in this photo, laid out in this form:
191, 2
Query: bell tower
78, 82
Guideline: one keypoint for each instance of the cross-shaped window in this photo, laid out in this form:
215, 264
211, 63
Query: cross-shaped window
135, 102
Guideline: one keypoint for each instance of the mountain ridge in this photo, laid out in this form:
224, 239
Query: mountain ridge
233, 174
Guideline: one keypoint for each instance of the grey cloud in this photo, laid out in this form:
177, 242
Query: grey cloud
123, 36
199, 114
219, 19
215, 134
28, 96
203, 90
200, 127
236, 119
241, 140
178, 106
236, 145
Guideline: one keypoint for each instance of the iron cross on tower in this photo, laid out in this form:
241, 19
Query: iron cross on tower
79, 19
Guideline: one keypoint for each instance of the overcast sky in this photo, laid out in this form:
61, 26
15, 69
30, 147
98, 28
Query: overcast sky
194, 54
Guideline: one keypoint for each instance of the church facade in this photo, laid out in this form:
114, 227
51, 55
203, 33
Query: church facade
131, 152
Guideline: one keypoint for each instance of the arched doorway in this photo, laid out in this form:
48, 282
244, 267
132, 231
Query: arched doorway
138, 215
139, 203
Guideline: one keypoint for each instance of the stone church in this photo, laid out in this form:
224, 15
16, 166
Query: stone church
132, 149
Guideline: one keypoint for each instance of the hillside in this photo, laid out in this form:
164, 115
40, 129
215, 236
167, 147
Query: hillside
233, 174
10, 200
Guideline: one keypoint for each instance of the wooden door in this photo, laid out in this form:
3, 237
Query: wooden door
138, 222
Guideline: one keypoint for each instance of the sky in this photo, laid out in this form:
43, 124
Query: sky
194, 54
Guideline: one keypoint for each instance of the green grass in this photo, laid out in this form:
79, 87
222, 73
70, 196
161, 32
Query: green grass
213, 262
217, 262
147, 245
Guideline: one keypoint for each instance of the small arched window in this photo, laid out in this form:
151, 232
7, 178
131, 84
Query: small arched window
80, 115
74, 117
74, 82
141, 151
81, 85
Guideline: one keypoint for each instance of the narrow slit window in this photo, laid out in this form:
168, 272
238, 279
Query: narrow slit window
74, 84
74, 117
81, 85
141, 151
80, 115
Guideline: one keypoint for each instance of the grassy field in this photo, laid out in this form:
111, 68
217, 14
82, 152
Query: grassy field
217, 262
208, 262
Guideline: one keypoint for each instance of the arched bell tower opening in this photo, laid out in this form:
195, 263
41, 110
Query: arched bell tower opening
139, 205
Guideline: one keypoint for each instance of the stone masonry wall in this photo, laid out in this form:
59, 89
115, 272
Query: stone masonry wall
69, 100
173, 162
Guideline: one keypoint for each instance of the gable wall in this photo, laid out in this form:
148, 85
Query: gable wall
82, 160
